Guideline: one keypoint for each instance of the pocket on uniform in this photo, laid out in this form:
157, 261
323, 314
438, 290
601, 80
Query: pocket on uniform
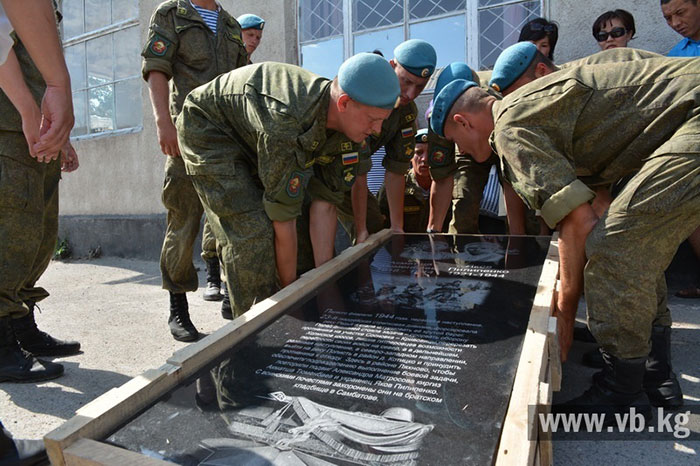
21, 187
193, 49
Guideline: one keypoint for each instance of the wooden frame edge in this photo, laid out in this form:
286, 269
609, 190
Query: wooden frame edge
518, 444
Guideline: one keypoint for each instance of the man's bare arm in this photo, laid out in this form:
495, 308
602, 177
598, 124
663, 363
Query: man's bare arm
359, 207
395, 184
440, 202
323, 221
160, 94
573, 232
286, 250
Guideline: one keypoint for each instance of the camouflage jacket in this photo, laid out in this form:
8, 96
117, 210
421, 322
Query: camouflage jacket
271, 116
397, 137
591, 125
181, 46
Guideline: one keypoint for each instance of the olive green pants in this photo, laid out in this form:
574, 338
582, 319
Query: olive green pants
28, 228
630, 248
184, 219
244, 234
470, 179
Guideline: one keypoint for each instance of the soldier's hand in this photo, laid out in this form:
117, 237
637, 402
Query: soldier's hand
361, 236
69, 158
167, 138
57, 110
31, 122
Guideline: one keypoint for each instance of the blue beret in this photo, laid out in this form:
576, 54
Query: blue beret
511, 64
456, 70
417, 56
422, 136
369, 79
444, 102
249, 21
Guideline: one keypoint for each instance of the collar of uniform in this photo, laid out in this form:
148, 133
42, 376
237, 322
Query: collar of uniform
315, 137
687, 42
186, 10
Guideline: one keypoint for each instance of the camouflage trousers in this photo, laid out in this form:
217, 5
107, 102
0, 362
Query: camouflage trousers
28, 228
630, 248
184, 219
243, 231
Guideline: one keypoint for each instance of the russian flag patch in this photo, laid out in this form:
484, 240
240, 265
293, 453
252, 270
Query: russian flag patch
407, 132
349, 159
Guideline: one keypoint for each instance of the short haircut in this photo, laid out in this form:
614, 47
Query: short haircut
537, 59
694, 2
539, 28
624, 16
471, 101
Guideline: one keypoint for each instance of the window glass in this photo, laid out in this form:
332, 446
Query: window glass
75, 60
98, 14
323, 58
384, 40
500, 28
124, 9
321, 18
369, 14
101, 108
128, 101
73, 17
80, 112
99, 60
127, 50
452, 43
424, 8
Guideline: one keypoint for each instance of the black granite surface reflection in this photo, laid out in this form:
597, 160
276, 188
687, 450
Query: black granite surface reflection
409, 358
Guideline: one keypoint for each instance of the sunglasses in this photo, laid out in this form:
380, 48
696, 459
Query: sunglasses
602, 36
543, 27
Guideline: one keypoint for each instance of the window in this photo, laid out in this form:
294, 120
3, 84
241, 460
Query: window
475, 31
101, 41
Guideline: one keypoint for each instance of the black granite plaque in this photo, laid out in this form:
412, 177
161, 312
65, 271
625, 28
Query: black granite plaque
409, 358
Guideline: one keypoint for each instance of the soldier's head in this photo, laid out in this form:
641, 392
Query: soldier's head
251, 30
518, 65
683, 16
363, 95
462, 114
414, 62
419, 162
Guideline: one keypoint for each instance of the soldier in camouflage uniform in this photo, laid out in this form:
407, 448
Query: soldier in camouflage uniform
588, 126
182, 49
28, 233
250, 139
417, 195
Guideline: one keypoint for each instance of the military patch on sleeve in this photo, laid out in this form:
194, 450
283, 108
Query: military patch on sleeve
346, 146
351, 158
158, 46
410, 117
295, 184
349, 176
437, 157
409, 151
408, 132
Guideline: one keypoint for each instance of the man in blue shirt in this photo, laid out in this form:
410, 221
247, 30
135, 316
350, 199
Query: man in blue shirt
683, 16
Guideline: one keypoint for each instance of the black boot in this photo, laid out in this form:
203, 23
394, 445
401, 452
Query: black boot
17, 365
226, 311
41, 343
615, 390
179, 322
20, 452
660, 382
593, 359
213, 290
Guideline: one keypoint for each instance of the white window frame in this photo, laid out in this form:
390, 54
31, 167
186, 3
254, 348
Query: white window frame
83, 38
471, 12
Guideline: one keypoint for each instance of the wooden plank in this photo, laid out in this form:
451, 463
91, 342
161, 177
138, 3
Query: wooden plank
86, 452
101, 416
544, 443
195, 356
554, 355
516, 446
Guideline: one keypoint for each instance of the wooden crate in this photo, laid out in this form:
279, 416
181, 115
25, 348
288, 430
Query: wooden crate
77, 441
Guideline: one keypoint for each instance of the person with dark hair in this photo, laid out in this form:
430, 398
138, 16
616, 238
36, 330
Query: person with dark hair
544, 34
683, 16
614, 28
